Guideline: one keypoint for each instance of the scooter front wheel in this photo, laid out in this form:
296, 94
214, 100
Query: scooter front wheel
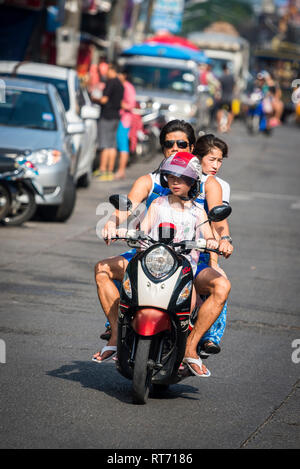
142, 373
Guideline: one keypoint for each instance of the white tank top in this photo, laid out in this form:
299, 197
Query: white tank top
225, 187
185, 221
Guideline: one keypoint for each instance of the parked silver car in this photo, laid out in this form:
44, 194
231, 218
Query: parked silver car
33, 123
77, 104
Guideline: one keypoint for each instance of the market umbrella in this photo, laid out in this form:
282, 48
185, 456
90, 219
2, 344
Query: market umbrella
173, 40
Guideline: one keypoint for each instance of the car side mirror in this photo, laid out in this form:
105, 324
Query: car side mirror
90, 112
75, 128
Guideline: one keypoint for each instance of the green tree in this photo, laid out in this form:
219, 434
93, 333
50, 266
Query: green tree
199, 16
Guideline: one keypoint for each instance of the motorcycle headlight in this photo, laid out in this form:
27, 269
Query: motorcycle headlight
159, 262
47, 157
127, 285
173, 108
156, 105
185, 293
190, 109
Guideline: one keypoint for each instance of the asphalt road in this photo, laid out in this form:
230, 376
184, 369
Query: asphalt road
54, 396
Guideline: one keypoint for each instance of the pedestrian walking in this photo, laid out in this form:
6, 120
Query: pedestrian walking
227, 90
108, 123
127, 105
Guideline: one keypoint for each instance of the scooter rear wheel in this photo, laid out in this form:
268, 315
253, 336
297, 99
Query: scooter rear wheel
142, 373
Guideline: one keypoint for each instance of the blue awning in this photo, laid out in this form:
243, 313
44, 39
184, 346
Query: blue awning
167, 51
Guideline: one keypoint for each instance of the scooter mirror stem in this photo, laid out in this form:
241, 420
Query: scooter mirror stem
206, 221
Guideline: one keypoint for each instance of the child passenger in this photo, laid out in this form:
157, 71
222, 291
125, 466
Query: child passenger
181, 173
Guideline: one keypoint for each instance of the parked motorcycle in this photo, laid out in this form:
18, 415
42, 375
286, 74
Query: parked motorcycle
155, 306
17, 190
144, 134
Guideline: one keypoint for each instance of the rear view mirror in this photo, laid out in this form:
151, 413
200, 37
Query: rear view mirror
219, 213
121, 202
75, 128
90, 112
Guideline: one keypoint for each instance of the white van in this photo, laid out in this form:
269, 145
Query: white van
166, 84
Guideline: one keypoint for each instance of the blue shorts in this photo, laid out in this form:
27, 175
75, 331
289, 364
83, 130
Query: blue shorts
202, 262
123, 138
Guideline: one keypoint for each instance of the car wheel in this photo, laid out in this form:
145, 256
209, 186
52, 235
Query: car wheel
63, 211
85, 180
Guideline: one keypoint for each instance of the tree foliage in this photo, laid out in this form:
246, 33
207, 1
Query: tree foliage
199, 16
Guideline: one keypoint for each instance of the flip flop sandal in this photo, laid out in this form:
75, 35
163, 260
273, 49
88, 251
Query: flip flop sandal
210, 347
196, 361
106, 335
107, 348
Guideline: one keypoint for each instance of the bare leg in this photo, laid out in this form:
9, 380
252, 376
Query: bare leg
230, 120
112, 159
104, 158
122, 165
105, 272
219, 117
208, 282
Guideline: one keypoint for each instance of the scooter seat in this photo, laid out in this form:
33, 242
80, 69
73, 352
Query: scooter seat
7, 164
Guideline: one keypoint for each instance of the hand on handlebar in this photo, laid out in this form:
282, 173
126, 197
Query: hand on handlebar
225, 248
212, 243
109, 231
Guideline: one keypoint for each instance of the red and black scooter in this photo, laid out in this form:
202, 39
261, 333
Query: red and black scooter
155, 306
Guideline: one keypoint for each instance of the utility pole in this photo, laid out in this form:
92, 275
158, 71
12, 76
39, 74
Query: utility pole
115, 33
149, 15
68, 35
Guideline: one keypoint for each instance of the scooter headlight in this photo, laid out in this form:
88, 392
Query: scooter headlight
159, 262
127, 285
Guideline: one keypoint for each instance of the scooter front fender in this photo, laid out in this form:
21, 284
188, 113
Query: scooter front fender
150, 321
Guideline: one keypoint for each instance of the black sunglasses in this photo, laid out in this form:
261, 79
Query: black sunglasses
180, 143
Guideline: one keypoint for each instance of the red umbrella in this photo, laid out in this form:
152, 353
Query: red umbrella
174, 40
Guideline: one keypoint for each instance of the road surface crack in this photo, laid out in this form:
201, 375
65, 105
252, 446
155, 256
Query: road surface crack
253, 435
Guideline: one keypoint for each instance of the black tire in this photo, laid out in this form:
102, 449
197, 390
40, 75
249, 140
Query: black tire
124, 348
4, 201
22, 208
85, 180
62, 212
142, 373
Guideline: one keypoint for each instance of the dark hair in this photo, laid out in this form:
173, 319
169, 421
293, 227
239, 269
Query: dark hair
113, 66
206, 143
175, 126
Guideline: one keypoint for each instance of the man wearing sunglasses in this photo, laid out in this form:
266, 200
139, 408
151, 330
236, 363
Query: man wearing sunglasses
177, 135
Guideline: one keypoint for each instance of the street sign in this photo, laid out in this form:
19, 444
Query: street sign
167, 15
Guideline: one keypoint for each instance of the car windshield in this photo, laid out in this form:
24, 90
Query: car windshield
161, 78
217, 66
28, 109
60, 85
